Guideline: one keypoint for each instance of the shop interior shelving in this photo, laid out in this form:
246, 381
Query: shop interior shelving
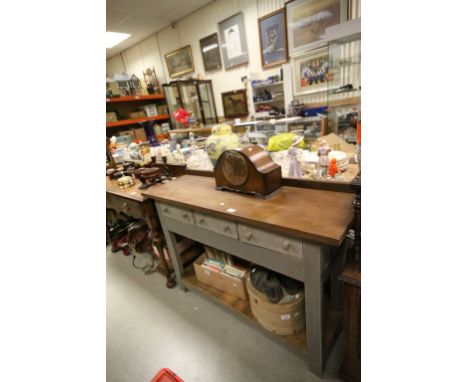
296, 343
148, 97
124, 105
278, 101
126, 122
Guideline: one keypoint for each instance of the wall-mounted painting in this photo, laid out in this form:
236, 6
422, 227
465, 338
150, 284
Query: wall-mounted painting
273, 41
311, 72
210, 52
307, 20
180, 61
235, 104
233, 42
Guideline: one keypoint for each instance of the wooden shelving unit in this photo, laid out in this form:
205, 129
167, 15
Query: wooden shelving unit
204, 130
337, 103
297, 343
148, 97
125, 122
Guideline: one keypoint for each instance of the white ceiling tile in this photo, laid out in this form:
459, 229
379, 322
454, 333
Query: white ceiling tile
125, 5
113, 18
142, 18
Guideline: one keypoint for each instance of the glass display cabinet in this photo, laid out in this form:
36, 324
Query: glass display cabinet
344, 87
195, 96
259, 132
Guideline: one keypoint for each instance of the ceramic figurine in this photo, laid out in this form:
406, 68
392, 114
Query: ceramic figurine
134, 151
112, 143
323, 162
125, 181
333, 169
295, 170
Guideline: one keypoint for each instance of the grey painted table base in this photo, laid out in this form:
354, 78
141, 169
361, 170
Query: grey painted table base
318, 263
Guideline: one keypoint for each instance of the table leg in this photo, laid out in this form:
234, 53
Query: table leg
158, 242
172, 248
313, 288
337, 286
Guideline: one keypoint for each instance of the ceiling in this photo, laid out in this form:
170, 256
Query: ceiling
142, 18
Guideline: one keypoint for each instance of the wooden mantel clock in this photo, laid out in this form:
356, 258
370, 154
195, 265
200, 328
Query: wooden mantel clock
249, 170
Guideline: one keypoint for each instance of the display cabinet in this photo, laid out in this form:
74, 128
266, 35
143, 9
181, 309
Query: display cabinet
268, 99
260, 131
344, 86
195, 96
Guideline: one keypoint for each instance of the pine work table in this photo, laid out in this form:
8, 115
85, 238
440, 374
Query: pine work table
299, 232
131, 202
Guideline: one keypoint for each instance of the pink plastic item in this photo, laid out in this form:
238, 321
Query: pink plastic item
166, 375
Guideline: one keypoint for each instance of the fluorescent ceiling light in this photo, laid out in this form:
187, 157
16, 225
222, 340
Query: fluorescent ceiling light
115, 38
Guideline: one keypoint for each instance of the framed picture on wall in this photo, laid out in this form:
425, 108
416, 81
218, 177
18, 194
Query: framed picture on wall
210, 52
180, 61
235, 104
233, 42
273, 41
311, 72
307, 20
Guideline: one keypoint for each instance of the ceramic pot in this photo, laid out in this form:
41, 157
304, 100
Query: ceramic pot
221, 139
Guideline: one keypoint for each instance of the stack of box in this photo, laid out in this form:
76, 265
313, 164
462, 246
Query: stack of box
218, 269
150, 110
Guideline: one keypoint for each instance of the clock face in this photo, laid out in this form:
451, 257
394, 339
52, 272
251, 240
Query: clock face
235, 168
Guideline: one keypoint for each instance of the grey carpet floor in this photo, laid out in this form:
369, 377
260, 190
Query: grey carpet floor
150, 327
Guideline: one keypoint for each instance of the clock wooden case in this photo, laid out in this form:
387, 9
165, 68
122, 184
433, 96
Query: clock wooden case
248, 169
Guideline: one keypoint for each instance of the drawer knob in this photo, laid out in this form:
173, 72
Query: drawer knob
185, 216
226, 228
202, 221
125, 208
286, 244
165, 209
249, 235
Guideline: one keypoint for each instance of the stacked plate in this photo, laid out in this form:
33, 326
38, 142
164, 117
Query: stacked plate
341, 157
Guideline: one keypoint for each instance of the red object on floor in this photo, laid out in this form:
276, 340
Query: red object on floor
166, 375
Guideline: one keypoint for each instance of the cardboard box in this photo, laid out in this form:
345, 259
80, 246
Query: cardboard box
126, 132
218, 280
140, 134
111, 117
137, 114
163, 109
150, 110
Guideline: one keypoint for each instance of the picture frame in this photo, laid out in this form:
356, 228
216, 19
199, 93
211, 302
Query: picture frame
272, 33
307, 21
180, 61
233, 41
151, 81
235, 104
311, 72
209, 47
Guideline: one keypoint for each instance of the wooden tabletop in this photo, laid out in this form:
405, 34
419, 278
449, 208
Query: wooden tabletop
132, 193
319, 215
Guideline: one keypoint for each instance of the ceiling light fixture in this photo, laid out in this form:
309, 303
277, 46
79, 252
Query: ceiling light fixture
115, 38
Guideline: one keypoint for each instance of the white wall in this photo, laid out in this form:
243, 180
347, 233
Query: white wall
203, 22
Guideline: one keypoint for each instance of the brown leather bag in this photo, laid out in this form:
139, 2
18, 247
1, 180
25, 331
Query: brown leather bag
139, 237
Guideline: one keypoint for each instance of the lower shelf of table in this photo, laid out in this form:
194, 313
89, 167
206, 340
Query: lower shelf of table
297, 343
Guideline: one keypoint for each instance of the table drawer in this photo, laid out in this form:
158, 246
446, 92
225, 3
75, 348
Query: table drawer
126, 206
270, 240
223, 227
183, 215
